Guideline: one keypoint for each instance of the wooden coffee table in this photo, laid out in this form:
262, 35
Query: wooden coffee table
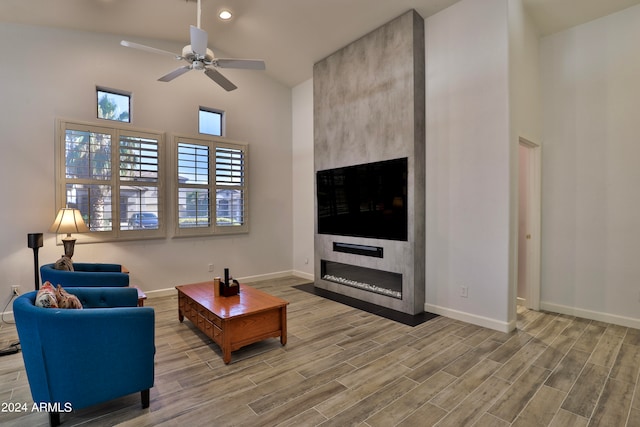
236, 321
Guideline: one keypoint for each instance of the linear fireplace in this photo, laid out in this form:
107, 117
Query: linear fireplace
368, 279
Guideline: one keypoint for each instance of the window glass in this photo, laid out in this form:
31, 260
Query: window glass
88, 155
193, 187
210, 121
94, 203
114, 106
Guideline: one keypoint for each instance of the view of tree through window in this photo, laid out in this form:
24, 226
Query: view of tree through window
113, 106
88, 172
113, 177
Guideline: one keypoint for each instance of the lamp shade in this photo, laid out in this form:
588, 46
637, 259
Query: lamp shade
68, 221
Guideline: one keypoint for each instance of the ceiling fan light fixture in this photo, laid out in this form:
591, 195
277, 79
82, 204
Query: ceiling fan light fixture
225, 14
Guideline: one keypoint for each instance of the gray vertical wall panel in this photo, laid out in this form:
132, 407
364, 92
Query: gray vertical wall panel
369, 105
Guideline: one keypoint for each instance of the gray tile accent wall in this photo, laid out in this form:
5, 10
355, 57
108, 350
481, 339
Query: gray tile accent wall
369, 105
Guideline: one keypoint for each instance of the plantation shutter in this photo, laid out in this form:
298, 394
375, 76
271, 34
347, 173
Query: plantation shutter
230, 186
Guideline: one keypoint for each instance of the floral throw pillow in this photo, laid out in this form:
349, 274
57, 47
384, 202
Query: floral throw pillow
67, 300
46, 296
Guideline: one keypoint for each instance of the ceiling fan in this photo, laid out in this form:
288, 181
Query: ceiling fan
199, 57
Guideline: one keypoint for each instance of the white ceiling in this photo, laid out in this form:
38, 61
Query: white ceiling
290, 35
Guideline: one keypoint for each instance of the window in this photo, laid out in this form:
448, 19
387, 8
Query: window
210, 121
114, 177
113, 105
211, 196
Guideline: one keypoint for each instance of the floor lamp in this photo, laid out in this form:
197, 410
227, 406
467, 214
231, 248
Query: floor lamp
35, 242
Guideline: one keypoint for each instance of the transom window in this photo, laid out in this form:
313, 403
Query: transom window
210, 121
113, 105
211, 194
114, 177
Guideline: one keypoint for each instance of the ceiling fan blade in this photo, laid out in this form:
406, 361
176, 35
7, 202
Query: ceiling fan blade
175, 73
220, 79
244, 64
199, 41
149, 49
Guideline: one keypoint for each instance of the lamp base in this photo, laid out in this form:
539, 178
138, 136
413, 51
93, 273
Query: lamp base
69, 244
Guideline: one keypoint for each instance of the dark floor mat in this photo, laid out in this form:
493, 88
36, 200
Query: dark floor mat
397, 316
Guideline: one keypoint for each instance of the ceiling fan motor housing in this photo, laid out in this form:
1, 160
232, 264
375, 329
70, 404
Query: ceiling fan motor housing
190, 55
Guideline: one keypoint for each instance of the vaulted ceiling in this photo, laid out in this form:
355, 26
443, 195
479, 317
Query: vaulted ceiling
290, 35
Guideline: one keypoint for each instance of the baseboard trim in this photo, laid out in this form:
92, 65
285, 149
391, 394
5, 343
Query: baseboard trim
303, 275
267, 276
247, 279
161, 293
629, 322
485, 322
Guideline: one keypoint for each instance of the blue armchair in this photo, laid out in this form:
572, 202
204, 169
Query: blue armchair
78, 358
85, 274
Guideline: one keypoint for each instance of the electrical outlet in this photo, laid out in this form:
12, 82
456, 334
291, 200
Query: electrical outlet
464, 292
15, 289
210, 268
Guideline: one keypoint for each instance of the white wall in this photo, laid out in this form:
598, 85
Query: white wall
468, 163
591, 98
524, 113
524, 78
303, 179
49, 73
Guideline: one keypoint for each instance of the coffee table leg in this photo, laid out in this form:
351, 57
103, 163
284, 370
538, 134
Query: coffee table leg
181, 301
226, 340
283, 327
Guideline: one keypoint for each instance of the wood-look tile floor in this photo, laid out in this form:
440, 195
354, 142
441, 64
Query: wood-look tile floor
342, 366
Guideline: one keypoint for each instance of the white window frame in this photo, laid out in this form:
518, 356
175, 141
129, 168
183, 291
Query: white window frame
115, 130
212, 143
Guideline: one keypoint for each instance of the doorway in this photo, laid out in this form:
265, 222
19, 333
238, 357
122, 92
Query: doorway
529, 207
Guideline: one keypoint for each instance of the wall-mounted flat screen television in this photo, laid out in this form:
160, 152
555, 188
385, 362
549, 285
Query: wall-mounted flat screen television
366, 200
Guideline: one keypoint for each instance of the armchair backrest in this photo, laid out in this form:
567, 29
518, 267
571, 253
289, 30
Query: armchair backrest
86, 274
94, 297
87, 356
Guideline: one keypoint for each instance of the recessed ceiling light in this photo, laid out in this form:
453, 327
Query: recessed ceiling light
225, 14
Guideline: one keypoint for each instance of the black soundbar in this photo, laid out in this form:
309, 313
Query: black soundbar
349, 248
